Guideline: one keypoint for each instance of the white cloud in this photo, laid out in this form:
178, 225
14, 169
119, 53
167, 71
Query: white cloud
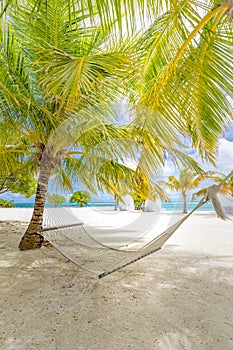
169, 169
224, 161
225, 156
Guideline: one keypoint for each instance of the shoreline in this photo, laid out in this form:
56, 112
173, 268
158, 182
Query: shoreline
167, 206
25, 212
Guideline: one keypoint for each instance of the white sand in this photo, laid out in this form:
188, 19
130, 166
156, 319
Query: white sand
180, 298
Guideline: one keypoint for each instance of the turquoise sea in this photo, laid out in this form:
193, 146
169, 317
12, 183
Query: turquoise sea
170, 206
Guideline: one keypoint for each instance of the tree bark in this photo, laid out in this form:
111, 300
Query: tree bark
143, 204
115, 202
185, 211
32, 238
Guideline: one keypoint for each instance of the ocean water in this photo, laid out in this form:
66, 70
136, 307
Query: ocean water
169, 206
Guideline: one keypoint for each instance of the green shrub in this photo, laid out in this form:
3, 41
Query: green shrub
6, 204
56, 199
80, 197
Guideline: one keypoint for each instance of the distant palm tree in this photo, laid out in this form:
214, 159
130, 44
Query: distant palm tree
186, 181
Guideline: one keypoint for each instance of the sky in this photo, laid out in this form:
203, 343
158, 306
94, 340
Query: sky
224, 161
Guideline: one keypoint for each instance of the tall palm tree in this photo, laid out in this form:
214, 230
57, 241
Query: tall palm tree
38, 44
186, 181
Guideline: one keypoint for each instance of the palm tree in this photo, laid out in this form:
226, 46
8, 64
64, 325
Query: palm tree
186, 181
145, 188
185, 79
38, 45
118, 179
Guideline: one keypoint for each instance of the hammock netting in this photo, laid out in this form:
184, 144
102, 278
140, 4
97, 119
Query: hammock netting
83, 249
72, 239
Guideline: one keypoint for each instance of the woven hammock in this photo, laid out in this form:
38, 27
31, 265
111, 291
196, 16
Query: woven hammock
71, 238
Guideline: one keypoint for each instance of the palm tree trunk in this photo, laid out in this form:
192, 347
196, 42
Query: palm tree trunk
115, 202
184, 203
31, 238
143, 205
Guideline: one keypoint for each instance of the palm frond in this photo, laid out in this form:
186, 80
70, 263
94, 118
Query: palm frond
60, 180
70, 79
187, 75
198, 194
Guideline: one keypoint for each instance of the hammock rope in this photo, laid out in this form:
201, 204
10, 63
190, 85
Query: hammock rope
72, 240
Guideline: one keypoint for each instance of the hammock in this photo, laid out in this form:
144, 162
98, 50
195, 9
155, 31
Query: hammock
72, 240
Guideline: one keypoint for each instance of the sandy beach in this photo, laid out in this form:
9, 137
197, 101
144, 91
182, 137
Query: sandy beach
179, 298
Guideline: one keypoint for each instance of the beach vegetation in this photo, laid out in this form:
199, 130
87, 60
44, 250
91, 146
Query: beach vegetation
56, 199
186, 73
119, 180
116, 179
20, 180
138, 201
146, 189
6, 204
80, 197
227, 187
16, 170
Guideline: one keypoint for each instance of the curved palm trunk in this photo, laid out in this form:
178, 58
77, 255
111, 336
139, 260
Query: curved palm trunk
31, 238
184, 203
